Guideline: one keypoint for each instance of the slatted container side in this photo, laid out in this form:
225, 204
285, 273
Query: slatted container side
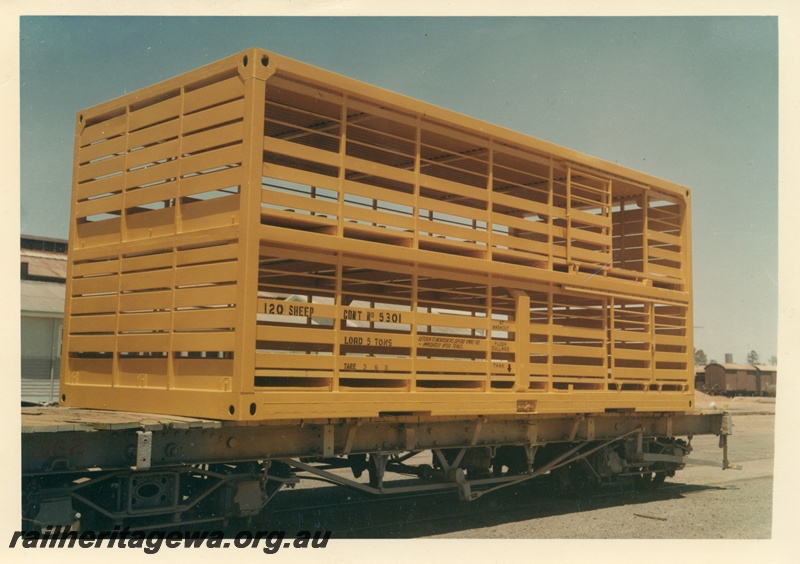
579, 343
649, 239
152, 301
672, 355
272, 233
341, 165
358, 324
631, 344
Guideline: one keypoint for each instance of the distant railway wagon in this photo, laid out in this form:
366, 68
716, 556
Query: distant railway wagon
741, 380
297, 271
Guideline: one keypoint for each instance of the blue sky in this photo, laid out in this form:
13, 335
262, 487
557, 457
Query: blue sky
693, 100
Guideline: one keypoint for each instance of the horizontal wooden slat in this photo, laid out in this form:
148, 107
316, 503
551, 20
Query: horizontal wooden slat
212, 159
376, 169
448, 208
589, 218
630, 336
151, 174
207, 318
577, 332
445, 343
453, 231
586, 255
211, 181
631, 373
209, 214
659, 237
432, 365
211, 117
204, 341
298, 202
522, 204
101, 168
355, 188
295, 361
93, 304
155, 134
159, 222
658, 252
223, 135
93, 324
102, 149
670, 357
152, 154
103, 130
631, 354
204, 274
154, 113
286, 309
578, 370
453, 188
203, 374
295, 334
673, 340
146, 280
590, 237
205, 296
525, 245
94, 285
213, 94
149, 261
288, 174
144, 342
679, 375
459, 321
151, 321
142, 301
151, 194
202, 255
90, 343
98, 206
590, 256
517, 223
577, 350
98, 187
300, 151
379, 217
664, 271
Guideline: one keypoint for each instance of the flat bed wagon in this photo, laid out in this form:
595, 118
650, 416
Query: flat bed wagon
299, 271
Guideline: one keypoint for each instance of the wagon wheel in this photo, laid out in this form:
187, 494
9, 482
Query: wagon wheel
577, 478
652, 476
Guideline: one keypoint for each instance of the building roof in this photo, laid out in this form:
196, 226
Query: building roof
762, 368
42, 297
43, 259
44, 264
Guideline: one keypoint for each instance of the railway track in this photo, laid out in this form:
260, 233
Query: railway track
354, 515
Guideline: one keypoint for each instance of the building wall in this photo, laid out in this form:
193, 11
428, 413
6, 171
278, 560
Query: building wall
41, 358
42, 273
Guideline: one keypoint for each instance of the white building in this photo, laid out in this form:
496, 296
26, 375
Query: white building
43, 267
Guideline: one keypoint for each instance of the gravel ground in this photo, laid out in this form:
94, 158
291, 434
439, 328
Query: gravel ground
700, 502
702, 514
711, 514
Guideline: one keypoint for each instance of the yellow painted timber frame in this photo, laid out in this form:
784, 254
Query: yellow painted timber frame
261, 239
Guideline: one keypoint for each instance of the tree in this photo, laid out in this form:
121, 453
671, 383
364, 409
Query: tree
700, 358
773, 360
752, 357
